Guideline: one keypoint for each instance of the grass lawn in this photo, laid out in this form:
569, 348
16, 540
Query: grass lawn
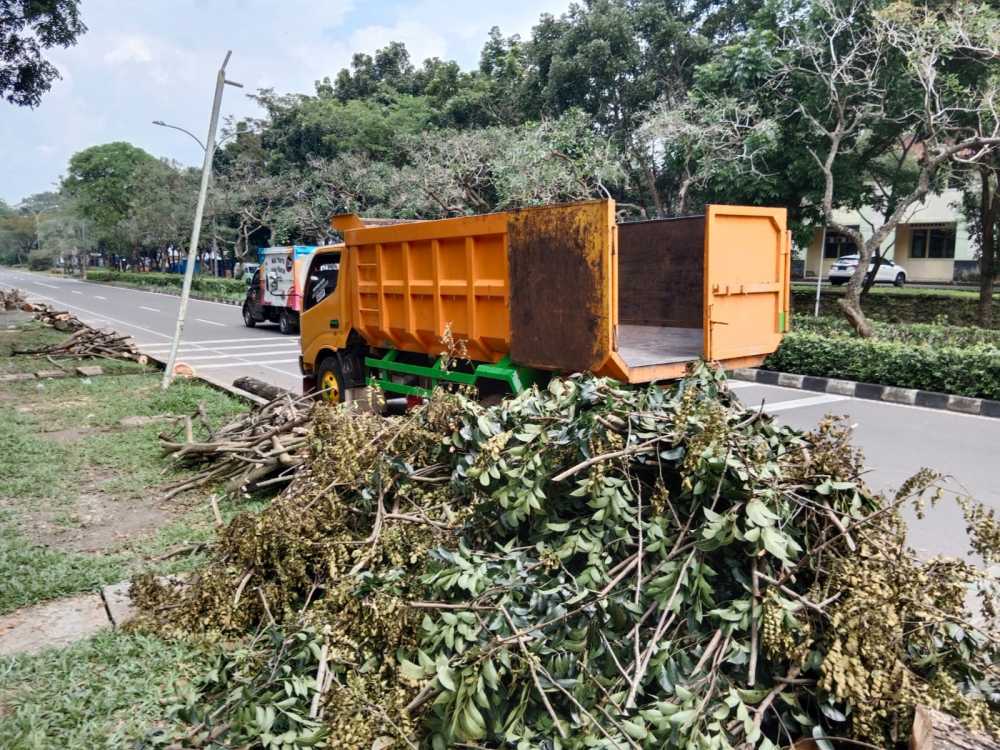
104, 692
81, 477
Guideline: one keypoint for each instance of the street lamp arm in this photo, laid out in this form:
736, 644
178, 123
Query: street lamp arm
197, 140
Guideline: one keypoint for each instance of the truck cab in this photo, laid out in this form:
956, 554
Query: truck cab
332, 353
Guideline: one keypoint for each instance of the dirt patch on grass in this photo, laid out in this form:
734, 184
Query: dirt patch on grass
70, 435
98, 521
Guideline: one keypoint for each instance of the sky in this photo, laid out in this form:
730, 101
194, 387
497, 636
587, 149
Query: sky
145, 60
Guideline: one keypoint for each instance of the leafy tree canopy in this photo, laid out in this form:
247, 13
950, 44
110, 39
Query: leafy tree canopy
27, 29
101, 179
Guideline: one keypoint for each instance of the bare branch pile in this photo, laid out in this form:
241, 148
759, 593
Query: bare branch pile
90, 342
263, 447
584, 566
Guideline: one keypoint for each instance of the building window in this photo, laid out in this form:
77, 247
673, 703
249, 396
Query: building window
838, 244
932, 241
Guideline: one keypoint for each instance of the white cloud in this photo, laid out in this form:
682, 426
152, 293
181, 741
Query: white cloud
129, 49
421, 40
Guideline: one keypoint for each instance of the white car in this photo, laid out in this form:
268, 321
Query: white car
888, 272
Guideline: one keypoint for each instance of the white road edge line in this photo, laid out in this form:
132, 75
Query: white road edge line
826, 398
291, 346
251, 364
91, 312
260, 341
128, 289
196, 354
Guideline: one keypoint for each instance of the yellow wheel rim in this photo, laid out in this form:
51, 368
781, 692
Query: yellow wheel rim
331, 391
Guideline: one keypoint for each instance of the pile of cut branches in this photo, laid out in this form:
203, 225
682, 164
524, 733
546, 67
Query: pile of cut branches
584, 566
91, 342
12, 299
262, 447
58, 319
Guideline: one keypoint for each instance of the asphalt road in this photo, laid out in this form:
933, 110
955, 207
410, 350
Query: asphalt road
216, 343
897, 440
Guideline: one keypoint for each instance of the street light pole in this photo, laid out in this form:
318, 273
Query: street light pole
206, 171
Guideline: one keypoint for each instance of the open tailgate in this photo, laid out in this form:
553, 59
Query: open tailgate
747, 269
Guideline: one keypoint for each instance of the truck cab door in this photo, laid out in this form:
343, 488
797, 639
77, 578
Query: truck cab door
747, 260
323, 322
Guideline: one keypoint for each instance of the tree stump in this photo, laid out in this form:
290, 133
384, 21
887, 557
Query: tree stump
936, 730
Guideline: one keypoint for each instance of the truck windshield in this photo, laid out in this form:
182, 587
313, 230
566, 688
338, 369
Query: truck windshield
322, 281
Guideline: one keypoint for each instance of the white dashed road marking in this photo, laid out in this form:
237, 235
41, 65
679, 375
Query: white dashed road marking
151, 309
211, 322
97, 296
826, 398
50, 286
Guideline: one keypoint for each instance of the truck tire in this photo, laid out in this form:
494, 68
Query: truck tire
285, 323
330, 380
248, 319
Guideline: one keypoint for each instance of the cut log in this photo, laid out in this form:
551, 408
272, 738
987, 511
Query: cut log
936, 730
260, 388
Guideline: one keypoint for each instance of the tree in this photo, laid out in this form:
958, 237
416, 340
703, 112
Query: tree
613, 59
102, 180
703, 140
161, 205
62, 234
27, 28
17, 235
858, 78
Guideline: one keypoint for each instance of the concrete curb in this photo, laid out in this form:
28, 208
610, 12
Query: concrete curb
982, 407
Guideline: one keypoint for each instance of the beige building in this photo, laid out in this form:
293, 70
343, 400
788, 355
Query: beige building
932, 242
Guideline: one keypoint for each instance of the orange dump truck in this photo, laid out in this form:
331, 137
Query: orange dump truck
561, 288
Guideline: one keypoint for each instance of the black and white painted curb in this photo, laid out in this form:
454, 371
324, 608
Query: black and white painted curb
982, 407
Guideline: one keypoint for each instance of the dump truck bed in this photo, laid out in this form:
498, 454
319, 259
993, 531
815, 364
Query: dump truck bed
566, 288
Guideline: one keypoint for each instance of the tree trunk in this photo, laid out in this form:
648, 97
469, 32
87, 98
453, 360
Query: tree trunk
850, 303
988, 208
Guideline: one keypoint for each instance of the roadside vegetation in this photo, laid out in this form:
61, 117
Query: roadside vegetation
81, 474
202, 286
964, 371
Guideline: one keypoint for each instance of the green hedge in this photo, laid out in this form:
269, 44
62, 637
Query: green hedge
928, 334
891, 305
964, 371
211, 286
